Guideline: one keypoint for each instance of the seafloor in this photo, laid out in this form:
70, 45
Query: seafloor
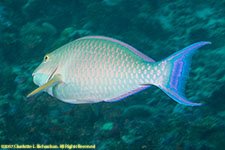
149, 120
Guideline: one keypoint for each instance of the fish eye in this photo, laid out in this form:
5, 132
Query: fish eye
46, 58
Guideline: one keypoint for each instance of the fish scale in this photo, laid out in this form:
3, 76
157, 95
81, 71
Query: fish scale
97, 68
88, 76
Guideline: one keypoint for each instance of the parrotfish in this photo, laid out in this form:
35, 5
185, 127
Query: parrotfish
96, 68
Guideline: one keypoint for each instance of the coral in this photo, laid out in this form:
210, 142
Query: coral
137, 111
131, 137
147, 120
107, 126
49, 28
30, 35
69, 34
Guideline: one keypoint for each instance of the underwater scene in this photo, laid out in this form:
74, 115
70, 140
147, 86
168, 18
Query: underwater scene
136, 75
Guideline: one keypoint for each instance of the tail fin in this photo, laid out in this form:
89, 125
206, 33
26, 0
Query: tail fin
177, 70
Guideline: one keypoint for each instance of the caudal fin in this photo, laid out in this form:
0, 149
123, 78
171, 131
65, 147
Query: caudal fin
177, 70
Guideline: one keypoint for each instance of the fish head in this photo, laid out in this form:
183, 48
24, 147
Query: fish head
46, 70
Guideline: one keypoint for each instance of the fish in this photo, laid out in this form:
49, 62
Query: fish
96, 69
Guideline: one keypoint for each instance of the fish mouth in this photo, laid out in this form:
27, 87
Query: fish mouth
52, 74
51, 81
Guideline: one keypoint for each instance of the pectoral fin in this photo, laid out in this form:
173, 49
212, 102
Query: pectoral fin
55, 80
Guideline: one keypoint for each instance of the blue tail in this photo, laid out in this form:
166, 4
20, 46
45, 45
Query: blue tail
178, 67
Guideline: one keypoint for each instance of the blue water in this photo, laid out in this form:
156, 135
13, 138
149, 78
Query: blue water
149, 120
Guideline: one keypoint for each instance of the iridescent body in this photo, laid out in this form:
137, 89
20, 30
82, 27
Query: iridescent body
94, 69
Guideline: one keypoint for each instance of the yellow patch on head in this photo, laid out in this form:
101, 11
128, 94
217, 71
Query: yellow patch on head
46, 58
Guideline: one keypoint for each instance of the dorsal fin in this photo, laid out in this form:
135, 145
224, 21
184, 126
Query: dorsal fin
145, 57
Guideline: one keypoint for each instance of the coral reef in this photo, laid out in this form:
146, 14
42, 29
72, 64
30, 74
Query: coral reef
148, 120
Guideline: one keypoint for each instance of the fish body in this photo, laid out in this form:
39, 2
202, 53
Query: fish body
96, 68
